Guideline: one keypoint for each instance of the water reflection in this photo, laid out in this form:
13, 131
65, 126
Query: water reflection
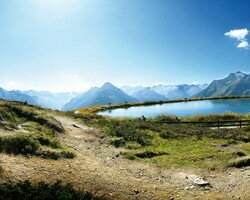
184, 108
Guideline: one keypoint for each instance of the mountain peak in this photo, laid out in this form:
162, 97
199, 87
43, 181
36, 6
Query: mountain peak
108, 85
237, 75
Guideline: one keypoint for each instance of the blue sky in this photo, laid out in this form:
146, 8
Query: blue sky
66, 45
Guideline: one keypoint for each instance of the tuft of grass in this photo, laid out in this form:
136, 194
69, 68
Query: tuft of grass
150, 154
24, 144
21, 144
57, 191
240, 162
129, 156
120, 142
133, 145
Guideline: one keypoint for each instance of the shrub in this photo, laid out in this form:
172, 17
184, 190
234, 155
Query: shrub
128, 131
150, 154
118, 142
55, 154
49, 154
47, 141
240, 162
68, 154
20, 144
42, 191
129, 156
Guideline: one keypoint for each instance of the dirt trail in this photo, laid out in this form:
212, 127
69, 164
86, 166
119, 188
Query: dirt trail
99, 168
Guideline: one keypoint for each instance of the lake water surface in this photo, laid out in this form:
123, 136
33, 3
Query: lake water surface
182, 109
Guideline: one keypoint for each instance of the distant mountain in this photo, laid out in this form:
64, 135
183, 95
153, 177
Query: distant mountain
107, 94
16, 95
147, 94
234, 84
178, 91
51, 100
130, 90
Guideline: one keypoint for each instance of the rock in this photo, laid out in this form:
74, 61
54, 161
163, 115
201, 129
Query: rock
192, 187
137, 192
207, 187
200, 182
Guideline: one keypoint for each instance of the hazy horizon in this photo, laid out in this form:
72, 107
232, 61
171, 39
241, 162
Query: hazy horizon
72, 45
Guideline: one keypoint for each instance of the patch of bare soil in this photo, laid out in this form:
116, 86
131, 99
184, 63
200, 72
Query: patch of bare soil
100, 169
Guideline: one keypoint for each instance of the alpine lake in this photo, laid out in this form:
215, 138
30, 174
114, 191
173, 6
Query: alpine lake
184, 109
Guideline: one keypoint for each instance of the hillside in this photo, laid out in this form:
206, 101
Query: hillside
136, 169
233, 85
107, 94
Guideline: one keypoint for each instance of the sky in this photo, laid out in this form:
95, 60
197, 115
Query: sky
71, 45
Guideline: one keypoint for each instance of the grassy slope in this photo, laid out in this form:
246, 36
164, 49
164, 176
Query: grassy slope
33, 131
172, 145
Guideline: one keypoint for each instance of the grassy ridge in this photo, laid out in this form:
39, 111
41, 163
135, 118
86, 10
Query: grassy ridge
179, 145
35, 132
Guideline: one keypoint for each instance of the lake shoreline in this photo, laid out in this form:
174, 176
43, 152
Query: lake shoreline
185, 111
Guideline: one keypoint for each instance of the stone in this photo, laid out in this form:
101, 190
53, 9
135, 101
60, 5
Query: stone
200, 182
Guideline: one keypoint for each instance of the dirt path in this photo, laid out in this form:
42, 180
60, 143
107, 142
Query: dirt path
99, 168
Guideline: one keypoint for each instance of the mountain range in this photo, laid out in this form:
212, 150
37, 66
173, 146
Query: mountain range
51, 100
107, 94
234, 84
16, 95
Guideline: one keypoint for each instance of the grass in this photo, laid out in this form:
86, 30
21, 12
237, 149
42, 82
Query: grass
38, 135
172, 145
57, 191
240, 162
20, 144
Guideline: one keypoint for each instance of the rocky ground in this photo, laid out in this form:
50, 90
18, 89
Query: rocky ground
101, 169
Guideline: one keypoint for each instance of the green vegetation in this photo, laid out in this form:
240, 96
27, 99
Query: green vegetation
57, 191
34, 132
172, 145
18, 144
240, 162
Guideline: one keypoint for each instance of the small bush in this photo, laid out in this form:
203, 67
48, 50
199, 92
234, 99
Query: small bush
118, 143
47, 141
49, 154
68, 154
166, 134
20, 144
150, 154
133, 145
129, 156
27, 191
240, 162
55, 154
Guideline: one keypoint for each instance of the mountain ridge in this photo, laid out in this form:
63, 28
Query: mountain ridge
107, 94
234, 84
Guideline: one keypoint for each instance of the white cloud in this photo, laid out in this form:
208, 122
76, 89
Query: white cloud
239, 35
243, 44
12, 85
